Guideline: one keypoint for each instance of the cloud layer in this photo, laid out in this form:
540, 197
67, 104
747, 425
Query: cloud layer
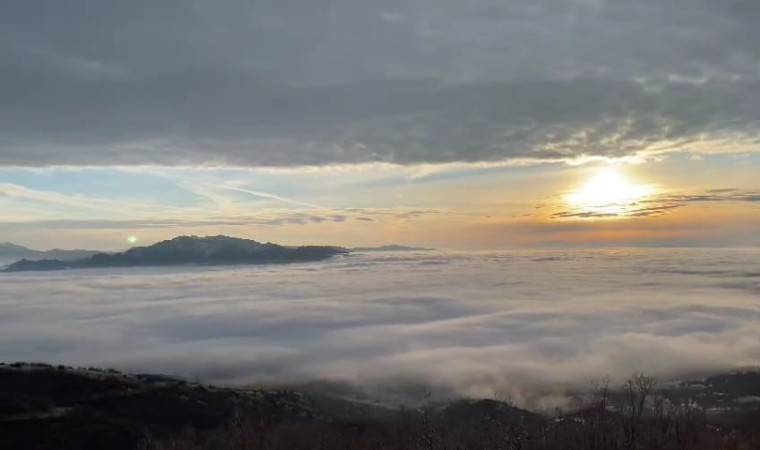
660, 204
528, 322
288, 83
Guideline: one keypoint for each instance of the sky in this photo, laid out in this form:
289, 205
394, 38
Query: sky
475, 125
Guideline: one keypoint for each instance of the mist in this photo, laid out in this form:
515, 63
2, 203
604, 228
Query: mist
533, 324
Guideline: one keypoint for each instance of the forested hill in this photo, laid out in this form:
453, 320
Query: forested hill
181, 250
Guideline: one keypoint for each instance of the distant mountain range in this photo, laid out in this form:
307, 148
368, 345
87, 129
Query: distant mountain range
390, 248
209, 250
13, 252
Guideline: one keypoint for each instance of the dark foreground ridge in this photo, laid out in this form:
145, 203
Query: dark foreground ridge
57, 407
210, 250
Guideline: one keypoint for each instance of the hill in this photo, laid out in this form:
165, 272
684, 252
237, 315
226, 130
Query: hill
13, 252
181, 250
57, 407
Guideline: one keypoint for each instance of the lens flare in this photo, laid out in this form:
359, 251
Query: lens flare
608, 193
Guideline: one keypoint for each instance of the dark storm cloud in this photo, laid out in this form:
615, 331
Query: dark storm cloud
282, 83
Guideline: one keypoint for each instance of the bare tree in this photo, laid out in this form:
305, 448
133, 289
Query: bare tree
637, 391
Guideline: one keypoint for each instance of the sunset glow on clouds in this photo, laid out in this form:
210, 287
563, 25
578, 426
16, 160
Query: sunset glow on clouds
480, 124
584, 177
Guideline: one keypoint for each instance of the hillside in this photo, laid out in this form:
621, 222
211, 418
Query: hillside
13, 252
57, 407
181, 250
44, 406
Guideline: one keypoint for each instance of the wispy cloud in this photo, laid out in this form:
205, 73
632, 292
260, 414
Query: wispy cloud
715, 195
268, 195
662, 204
188, 219
631, 211
79, 201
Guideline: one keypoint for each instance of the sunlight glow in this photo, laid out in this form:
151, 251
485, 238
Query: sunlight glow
608, 193
132, 239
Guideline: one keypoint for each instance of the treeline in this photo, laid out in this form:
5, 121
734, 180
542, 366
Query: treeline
639, 415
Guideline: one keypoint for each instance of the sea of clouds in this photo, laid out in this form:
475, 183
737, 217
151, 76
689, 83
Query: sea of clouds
395, 326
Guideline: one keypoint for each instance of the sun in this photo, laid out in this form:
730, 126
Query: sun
132, 239
608, 192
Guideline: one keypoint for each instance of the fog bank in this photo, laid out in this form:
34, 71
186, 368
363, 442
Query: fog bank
395, 325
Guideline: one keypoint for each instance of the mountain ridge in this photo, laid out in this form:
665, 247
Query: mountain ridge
182, 250
11, 251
